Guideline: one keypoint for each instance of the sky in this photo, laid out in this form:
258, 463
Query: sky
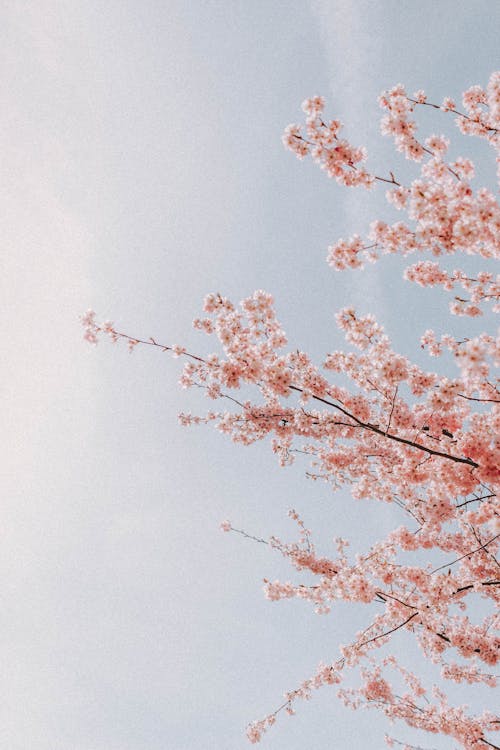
142, 169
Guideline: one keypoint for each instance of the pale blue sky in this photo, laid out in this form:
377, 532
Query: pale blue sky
143, 168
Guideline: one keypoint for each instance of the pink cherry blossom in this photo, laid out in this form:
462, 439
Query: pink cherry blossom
398, 433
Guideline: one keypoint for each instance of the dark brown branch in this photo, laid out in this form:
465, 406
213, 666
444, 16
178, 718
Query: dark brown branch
489, 743
482, 400
475, 500
388, 632
471, 586
373, 428
455, 112
364, 425
467, 554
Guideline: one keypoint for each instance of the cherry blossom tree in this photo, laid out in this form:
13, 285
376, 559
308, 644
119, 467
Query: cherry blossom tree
399, 434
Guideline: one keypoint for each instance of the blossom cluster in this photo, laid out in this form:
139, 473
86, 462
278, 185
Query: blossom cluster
485, 287
446, 215
401, 434
430, 453
322, 141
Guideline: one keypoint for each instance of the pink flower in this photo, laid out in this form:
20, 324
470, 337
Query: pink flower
383, 427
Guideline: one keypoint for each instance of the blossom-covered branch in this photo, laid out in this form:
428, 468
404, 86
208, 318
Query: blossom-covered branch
425, 441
